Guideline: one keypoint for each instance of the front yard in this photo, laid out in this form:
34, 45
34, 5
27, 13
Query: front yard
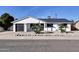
9, 35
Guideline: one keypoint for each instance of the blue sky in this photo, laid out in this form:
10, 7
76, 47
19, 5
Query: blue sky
68, 12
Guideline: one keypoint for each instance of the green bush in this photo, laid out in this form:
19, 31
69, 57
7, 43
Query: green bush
61, 28
36, 28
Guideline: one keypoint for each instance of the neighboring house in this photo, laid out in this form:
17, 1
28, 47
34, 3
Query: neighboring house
1, 29
10, 28
75, 26
49, 24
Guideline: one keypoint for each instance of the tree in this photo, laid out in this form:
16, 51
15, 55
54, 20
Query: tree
62, 28
5, 20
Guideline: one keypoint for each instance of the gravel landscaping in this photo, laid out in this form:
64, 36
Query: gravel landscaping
74, 35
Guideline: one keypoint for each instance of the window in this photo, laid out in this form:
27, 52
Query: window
65, 24
49, 25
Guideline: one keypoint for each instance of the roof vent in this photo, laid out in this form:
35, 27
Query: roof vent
49, 17
28, 16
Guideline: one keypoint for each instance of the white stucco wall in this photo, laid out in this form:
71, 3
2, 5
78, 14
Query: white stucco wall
68, 27
14, 27
48, 29
56, 28
25, 27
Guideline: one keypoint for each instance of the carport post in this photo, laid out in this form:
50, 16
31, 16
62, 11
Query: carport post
25, 27
14, 27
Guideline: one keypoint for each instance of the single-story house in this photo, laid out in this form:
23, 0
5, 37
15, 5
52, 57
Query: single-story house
49, 24
75, 25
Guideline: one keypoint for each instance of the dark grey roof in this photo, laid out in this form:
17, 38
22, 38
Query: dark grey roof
55, 20
48, 20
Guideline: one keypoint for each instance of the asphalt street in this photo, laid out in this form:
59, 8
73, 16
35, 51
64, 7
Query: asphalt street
39, 45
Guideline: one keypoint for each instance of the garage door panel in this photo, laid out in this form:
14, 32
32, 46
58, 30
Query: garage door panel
19, 27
